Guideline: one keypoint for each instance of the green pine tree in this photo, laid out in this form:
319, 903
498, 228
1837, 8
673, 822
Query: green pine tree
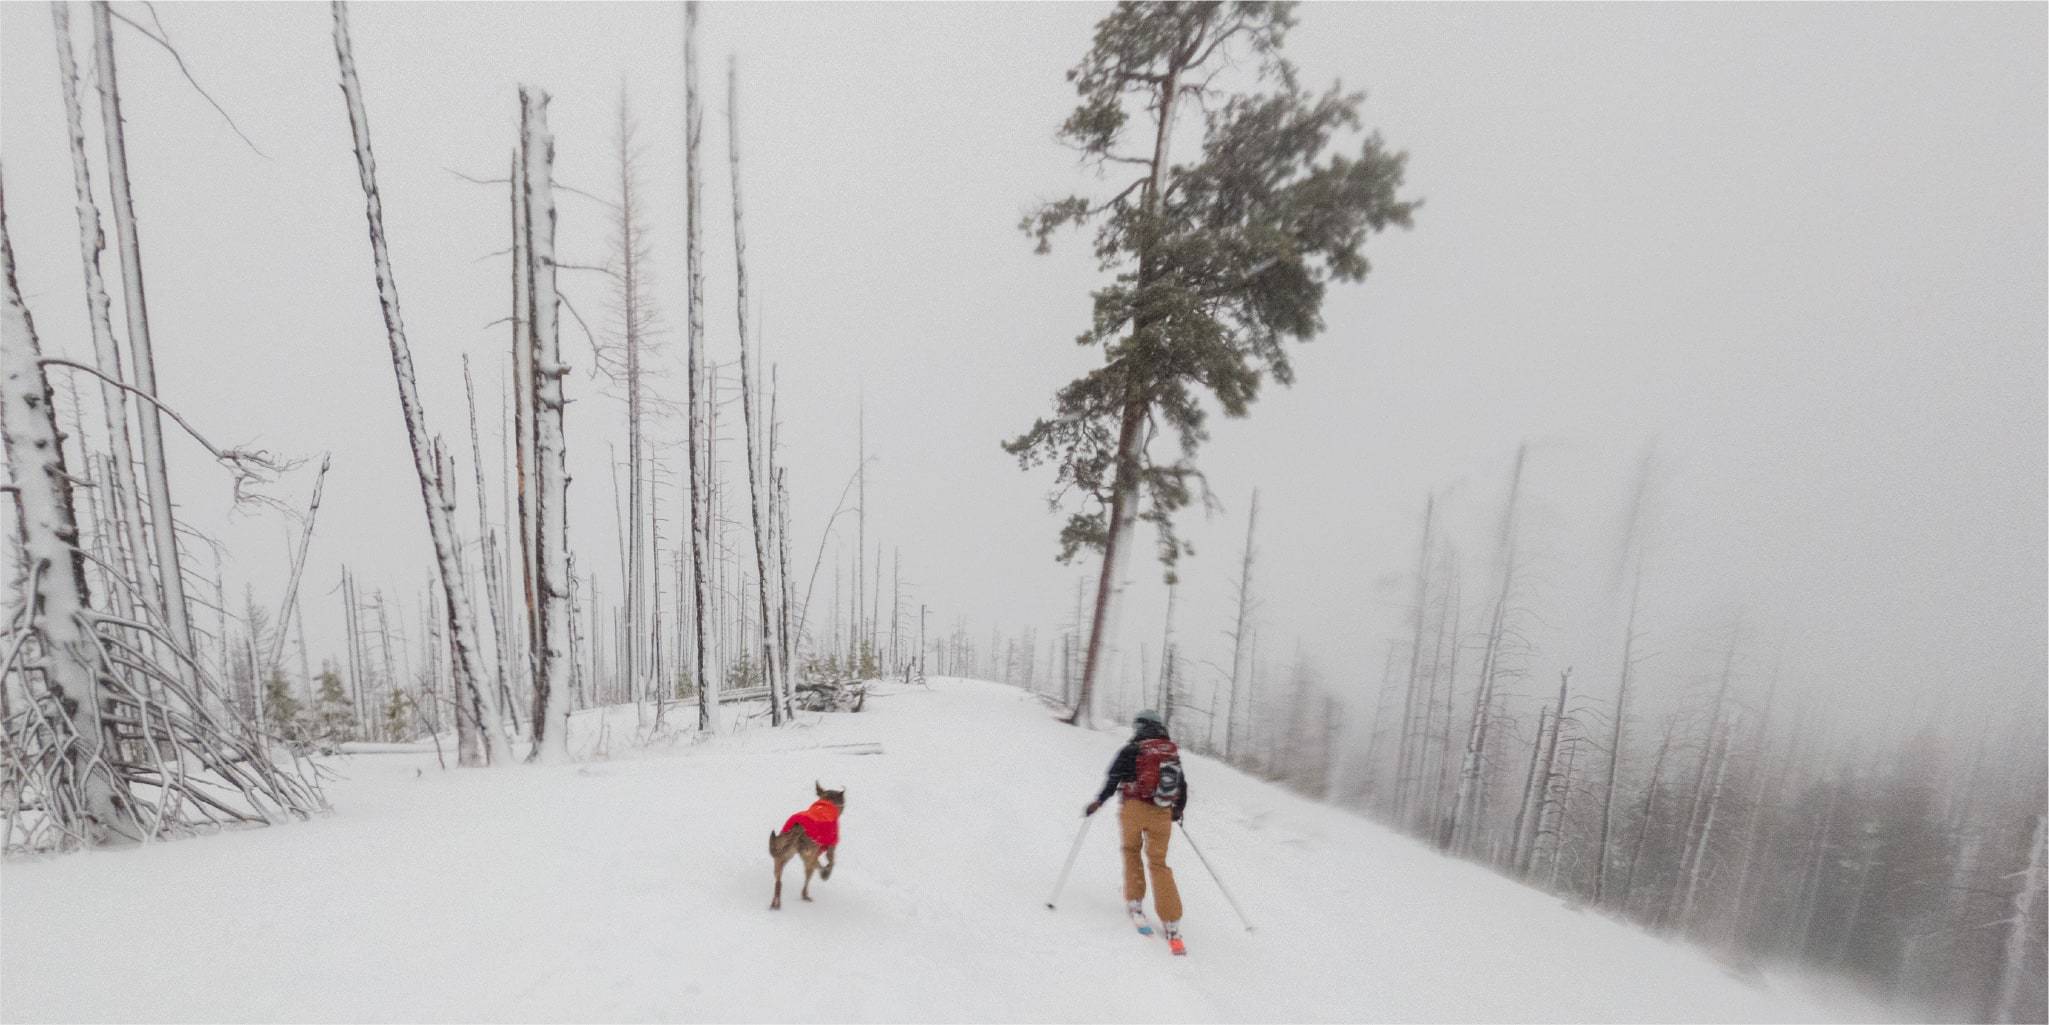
743, 674
398, 715
1215, 262
334, 715
281, 710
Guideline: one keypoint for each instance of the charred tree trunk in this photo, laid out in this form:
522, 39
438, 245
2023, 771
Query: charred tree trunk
461, 623
552, 681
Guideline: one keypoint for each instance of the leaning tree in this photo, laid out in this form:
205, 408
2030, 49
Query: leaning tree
1214, 263
110, 729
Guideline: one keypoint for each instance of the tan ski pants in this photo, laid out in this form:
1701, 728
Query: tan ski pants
1147, 826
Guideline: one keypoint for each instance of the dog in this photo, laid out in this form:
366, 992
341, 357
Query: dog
809, 834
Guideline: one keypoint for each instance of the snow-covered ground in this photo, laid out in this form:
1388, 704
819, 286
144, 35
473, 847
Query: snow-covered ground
636, 888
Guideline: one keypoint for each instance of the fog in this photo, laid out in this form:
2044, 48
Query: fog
1800, 249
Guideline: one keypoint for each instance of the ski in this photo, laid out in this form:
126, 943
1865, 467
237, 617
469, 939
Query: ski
1145, 926
1174, 944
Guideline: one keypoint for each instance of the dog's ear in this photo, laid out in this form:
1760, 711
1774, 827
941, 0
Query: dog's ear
815, 786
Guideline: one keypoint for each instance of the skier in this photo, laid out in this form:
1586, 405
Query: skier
1147, 774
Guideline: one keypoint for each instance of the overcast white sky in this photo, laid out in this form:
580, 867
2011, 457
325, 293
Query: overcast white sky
1801, 246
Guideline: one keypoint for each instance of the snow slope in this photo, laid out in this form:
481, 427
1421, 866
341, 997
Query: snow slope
636, 888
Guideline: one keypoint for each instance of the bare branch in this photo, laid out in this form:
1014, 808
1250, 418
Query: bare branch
247, 466
164, 41
609, 272
474, 180
571, 307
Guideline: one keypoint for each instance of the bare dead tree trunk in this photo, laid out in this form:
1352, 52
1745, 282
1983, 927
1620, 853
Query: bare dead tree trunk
305, 658
493, 591
1632, 547
163, 518
693, 129
2015, 964
291, 602
1643, 825
523, 422
790, 638
461, 621
1441, 804
107, 351
768, 659
1552, 823
1615, 737
359, 661
1522, 809
635, 655
1754, 832
1231, 721
857, 627
552, 682
1166, 687
92, 803
1539, 813
576, 683
466, 702
1405, 749
1694, 871
1483, 698
1701, 802
366, 725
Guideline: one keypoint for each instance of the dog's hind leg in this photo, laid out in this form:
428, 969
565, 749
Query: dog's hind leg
777, 902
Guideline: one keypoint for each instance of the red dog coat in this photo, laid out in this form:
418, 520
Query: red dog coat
820, 822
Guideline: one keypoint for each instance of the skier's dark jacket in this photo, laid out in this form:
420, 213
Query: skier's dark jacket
1124, 768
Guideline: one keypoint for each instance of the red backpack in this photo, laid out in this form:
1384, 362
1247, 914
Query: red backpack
1159, 773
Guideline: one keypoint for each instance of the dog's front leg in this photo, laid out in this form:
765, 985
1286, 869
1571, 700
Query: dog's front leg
832, 857
810, 865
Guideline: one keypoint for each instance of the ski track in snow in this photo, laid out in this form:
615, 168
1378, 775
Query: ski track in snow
636, 888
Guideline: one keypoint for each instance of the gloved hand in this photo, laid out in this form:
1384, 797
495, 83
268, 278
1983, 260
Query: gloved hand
1091, 809
1177, 814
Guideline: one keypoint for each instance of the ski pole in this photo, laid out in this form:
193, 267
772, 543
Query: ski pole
1071, 855
1213, 875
